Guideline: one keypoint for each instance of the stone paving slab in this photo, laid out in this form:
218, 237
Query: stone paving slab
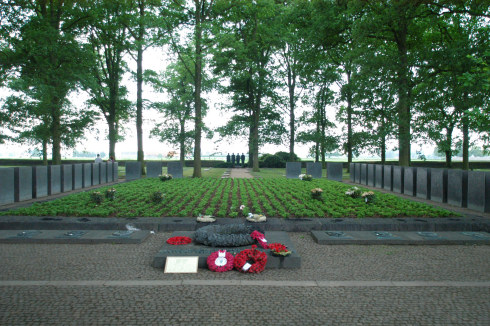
399, 238
73, 236
292, 261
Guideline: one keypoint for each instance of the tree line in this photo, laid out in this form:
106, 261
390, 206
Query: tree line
404, 70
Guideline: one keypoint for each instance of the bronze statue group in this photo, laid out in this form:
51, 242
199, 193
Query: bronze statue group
235, 159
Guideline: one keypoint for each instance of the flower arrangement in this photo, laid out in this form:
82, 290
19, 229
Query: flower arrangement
96, 197
316, 193
257, 218
165, 177
353, 192
278, 249
306, 177
110, 193
179, 240
220, 261
256, 235
156, 197
205, 218
368, 196
250, 260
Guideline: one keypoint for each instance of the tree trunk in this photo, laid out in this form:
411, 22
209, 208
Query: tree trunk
448, 152
197, 91
139, 90
56, 131
112, 138
383, 138
45, 151
255, 138
466, 138
182, 141
349, 121
292, 104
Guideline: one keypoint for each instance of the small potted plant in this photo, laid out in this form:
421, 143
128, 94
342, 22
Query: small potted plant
165, 177
156, 197
96, 197
316, 193
353, 192
368, 197
110, 193
306, 177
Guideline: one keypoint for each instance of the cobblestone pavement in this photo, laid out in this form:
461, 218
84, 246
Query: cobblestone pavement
243, 173
107, 284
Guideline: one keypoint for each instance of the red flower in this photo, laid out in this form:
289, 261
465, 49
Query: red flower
220, 261
256, 235
179, 240
256, 258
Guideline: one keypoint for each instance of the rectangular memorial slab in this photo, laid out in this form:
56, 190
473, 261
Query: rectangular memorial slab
479, 191
175, 169
54, 179
39, 181
388, 177
110, 173
334, 171
358, 172
371, 175
115, 171
379, 176
153, 169
398, 179
457, 187
314, 169
438, 185
423, 183
66, 177
23, 183
133, 170
293, 170
410, 181
87, 175
95, 174
7, 189
352, 172
77, 176
364, 174
103, 172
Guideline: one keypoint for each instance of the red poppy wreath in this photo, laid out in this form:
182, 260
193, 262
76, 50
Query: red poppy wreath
220, 261
250, 260
179, 240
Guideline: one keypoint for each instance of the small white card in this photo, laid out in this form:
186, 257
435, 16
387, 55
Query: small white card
181, 264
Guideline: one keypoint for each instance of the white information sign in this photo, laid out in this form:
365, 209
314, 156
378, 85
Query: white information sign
181, 264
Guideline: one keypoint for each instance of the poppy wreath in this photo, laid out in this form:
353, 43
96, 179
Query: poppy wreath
179, 240
278, 249
256, 235
220, 261
231, 235
250, 260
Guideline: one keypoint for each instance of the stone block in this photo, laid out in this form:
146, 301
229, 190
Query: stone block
293, 170
103, 172
95, 174
7, 188
175, 169
423, 183
438, 185
479, 191
398, 179
110, 172
87, 175
133, 170
379, 176
22, 183
39, 181
334, 171
77, 176
115, 171
371, 175
352, 172
314, 169
457, 188
66, 177
54, 179
153, 169
388, 177
410, 181
364, 178
358, 172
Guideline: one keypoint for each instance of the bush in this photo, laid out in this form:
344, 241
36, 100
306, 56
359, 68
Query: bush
273, 161
284, 156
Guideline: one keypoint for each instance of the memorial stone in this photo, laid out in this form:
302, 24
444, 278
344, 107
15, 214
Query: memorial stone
423, 183
398, 179
115, 171
388, 177
438, 185
22, 183
77, 176
54, 179
479, 191
103, 172
364, 178
352, 172
87, 175
371, 175
133, 170
175, 169
39, 181
379, 176
66, 177
457, 188
95, 174
314, 169
410, 181
110, 173
334, 171
7, 189
358, 172
293, 170
153, 169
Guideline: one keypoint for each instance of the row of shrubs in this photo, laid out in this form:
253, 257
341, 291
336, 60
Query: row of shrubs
277, 160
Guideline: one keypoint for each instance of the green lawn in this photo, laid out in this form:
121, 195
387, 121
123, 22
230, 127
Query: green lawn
273, 197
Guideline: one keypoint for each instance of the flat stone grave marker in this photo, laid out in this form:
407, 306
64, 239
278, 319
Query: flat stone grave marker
194, 249
175, 169
388, 177
7, 189
293, 170
410, 181
438, 185
54, 179
399, 238
153, 169
39, 181
334, 171
479, 191
457, 188
22, 183
379, 177
133, 170
423, 183
314, 169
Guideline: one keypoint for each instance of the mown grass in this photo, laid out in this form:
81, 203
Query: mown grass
273, 197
